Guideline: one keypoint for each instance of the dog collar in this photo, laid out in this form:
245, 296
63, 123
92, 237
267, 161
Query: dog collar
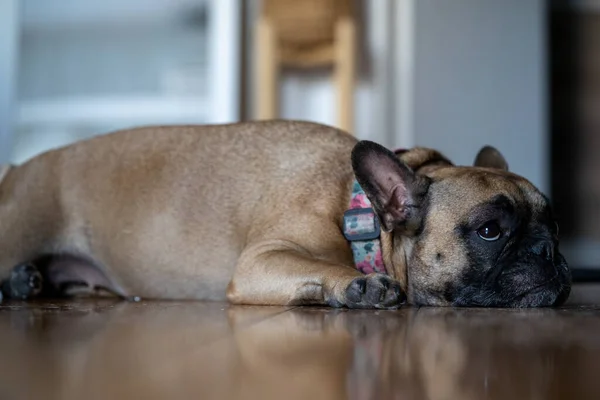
361, 228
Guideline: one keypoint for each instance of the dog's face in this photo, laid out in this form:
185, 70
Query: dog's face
468, 236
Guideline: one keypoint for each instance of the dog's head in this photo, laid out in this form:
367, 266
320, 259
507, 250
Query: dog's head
464, 236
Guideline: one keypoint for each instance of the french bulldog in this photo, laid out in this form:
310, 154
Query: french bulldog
255, 213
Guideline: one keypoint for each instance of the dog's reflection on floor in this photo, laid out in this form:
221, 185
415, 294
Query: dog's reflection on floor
184, 350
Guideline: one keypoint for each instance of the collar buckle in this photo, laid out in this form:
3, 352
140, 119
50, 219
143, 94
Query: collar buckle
361, 224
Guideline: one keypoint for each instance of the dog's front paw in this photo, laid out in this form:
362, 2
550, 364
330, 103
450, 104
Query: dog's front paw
374, 291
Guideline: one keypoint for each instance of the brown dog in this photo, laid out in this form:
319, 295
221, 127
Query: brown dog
254, 212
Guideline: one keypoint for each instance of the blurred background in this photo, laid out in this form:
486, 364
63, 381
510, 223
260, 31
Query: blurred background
522, 75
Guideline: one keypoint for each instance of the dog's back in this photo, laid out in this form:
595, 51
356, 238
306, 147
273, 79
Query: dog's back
166, 211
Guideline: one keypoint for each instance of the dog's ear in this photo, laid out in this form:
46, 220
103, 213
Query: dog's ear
489, 157
394, 190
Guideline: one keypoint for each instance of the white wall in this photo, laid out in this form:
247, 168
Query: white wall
479, 79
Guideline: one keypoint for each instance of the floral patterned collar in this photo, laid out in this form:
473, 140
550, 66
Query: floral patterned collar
361, 228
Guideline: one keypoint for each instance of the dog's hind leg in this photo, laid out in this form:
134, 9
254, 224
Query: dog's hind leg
71, 275
58, 276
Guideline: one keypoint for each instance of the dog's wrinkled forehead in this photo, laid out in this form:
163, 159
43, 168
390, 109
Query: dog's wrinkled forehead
462, 189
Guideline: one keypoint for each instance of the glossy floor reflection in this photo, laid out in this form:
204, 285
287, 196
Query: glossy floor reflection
112, 350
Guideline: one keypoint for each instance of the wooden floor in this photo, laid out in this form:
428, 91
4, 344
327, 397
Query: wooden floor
112, 350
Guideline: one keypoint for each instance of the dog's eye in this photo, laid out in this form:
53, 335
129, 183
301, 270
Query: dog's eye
490, 231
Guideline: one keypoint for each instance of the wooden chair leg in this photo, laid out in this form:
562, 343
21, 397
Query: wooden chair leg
345, 71
267, 70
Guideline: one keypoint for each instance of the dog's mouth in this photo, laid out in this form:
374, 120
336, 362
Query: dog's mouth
534, 283
544, 291
550, 294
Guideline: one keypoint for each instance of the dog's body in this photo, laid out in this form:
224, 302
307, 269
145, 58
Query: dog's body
253, 212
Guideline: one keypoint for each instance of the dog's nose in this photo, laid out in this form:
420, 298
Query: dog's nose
545, 248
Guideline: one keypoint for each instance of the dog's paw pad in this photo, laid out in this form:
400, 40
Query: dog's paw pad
25, 281
356, 290
374, 291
